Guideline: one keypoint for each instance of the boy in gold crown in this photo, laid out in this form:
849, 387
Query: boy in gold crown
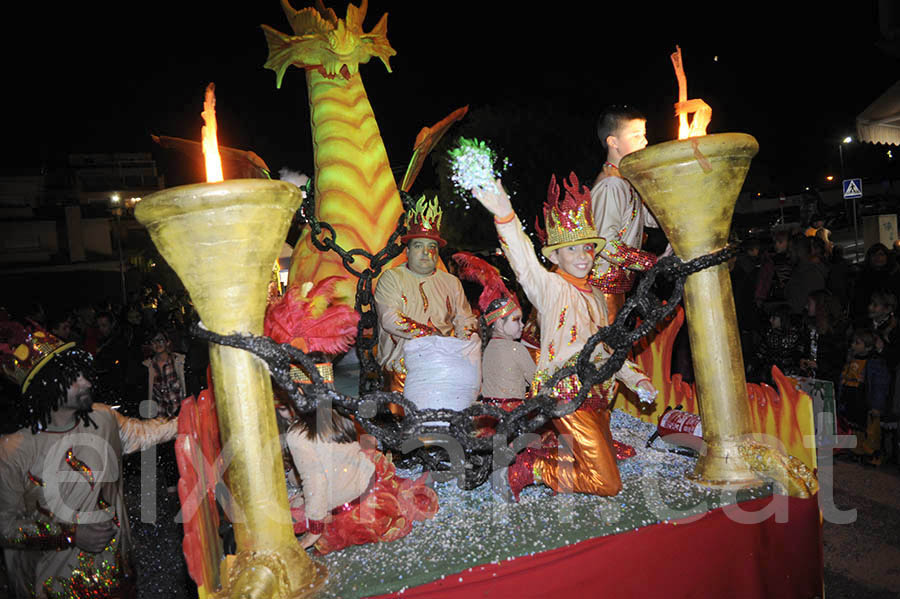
569, 311
416, 299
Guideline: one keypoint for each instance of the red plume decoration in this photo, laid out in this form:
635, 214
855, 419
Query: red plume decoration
311, 319
478, 270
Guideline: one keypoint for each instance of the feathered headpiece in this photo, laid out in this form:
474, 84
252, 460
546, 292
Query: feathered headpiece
309, 318
569, 222
473, 268
424, 220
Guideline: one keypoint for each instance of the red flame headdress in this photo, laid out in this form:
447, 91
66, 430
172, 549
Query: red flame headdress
473, 268
569, 222
424, 220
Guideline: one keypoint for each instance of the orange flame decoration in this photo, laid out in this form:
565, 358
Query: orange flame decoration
700, 109
210, 138
785, 414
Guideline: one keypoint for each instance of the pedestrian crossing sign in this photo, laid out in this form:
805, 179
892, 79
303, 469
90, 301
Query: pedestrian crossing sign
852, 188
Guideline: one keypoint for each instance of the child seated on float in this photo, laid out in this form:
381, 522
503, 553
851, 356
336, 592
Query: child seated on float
507, 367
350, 492
569, 311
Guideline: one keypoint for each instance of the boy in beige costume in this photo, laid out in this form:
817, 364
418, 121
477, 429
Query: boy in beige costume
618, 212
570, 311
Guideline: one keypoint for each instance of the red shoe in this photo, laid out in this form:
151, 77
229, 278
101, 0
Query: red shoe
623, 450
521, 472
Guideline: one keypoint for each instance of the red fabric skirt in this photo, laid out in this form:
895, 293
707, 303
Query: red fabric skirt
385, 512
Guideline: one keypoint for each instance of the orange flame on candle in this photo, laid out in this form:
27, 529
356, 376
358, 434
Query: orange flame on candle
700, 109
208, 134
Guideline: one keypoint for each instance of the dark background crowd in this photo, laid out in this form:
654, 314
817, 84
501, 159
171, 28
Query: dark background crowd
142, 350
804, 308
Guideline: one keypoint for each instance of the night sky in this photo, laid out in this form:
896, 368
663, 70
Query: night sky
102, 76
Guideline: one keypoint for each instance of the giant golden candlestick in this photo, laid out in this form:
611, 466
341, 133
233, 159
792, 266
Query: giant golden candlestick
692, 186
221, 239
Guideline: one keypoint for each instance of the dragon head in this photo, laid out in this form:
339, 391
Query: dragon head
323, 42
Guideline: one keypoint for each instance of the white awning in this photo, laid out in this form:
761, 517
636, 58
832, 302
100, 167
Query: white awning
880, 122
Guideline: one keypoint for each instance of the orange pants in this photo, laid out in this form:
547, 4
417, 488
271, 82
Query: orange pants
591, 466
614, 303
395, 381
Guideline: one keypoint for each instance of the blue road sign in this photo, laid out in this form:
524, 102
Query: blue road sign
852, 189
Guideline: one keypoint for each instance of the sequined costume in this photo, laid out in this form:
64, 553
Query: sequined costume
569, 313
352, 495
51, 480
410, 305
620, 216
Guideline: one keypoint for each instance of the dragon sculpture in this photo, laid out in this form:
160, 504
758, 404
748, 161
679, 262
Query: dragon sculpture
355, 189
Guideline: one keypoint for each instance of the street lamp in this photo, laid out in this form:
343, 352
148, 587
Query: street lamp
116, 202
844, 141
841, 145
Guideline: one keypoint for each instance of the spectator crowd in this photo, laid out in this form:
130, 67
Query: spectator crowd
804, 308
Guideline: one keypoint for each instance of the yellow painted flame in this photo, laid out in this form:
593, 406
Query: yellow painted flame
210, 138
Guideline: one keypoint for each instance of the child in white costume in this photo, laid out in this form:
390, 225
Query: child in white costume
350, 491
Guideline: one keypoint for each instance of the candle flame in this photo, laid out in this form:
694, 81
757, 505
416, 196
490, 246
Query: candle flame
208, 134
700, 109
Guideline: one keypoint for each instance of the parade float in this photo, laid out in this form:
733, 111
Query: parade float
742, 520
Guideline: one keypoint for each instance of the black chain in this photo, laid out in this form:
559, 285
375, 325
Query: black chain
469, 458
371, 378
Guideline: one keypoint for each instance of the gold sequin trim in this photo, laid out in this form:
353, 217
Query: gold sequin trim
79, 466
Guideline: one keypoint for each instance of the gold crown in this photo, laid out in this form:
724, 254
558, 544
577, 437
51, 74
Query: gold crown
23, 363
570, 221
424, 220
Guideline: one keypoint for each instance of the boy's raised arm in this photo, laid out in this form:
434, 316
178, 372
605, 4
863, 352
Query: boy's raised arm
532, 276
495, 200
